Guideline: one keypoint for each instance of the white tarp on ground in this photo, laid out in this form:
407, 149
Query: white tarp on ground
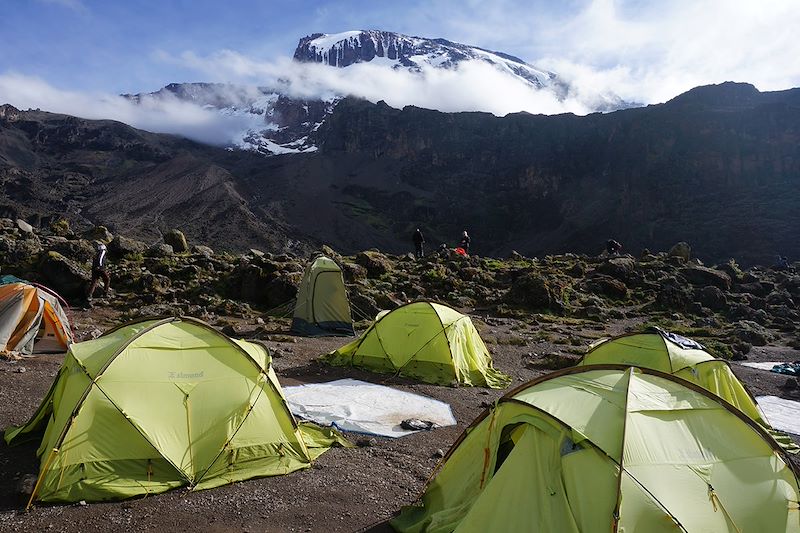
782, 414
763, 366
353, 405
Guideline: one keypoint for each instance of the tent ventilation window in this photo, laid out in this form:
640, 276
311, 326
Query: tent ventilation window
508, 439
568, 447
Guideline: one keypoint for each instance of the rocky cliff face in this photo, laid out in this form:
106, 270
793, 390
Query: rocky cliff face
718, 167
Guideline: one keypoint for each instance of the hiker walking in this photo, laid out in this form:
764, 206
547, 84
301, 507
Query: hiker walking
419, 240
465, 240
613, 247
99, 272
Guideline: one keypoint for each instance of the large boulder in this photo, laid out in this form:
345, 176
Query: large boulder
537, 292
713, 298
672, 295
161, 249
267, 288
99, 233
756, 288
353, 272
681, 250
376, 263
121, 246
608, 286
751, 333
79, 250
621, 268
63, 275
703, 276
200, 249
177, 240
364, 306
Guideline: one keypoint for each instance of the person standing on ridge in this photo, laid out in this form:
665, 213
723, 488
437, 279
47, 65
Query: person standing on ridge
419, 240
613, 247
99, 271
465, 240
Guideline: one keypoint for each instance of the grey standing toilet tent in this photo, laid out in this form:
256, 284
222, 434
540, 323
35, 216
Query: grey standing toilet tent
322, 307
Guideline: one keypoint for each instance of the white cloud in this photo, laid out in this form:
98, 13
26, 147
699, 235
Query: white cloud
163, 115
473, 86
647, 51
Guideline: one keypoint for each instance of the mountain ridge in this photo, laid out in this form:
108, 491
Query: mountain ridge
721, 172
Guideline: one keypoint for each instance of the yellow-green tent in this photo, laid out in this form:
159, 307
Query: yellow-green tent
322, 307
159, 404
685, 358
423, 340
610, 448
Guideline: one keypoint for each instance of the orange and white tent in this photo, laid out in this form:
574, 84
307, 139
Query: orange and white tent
32, 319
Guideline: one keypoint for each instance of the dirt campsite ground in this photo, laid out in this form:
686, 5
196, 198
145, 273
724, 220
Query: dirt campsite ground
346, 489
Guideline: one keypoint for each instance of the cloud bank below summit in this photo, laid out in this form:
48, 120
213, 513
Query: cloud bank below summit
473, 86
168, 115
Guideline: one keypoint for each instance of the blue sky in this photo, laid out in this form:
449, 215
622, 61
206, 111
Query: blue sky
74, 56
118, 45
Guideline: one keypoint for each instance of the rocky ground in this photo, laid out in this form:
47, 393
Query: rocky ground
535, 314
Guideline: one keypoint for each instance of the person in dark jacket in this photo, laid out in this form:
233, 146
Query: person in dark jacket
99, 271
613, 247
419, 240
465, 240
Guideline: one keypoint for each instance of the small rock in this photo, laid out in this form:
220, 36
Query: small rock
26, 484
415, 424
365, 442
791, 384
23, 226
438, 454
21, 370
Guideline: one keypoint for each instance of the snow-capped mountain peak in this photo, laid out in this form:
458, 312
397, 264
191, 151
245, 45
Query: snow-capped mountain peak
404, 51
281, 123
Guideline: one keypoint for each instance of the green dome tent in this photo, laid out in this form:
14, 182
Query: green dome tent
610, 448
687, 359
426, 341
159, 404
322, 307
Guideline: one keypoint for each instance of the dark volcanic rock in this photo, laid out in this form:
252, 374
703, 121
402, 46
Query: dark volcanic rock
376, 263
65, 276
700, 275
713, 298
177, 240
682, 250
608, 286
121, 246
621, 268
537, 292
751, 333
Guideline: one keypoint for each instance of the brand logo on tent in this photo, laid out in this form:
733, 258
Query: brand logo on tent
185, 375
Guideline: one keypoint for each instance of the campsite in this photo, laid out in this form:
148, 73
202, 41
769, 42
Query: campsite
363, 486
